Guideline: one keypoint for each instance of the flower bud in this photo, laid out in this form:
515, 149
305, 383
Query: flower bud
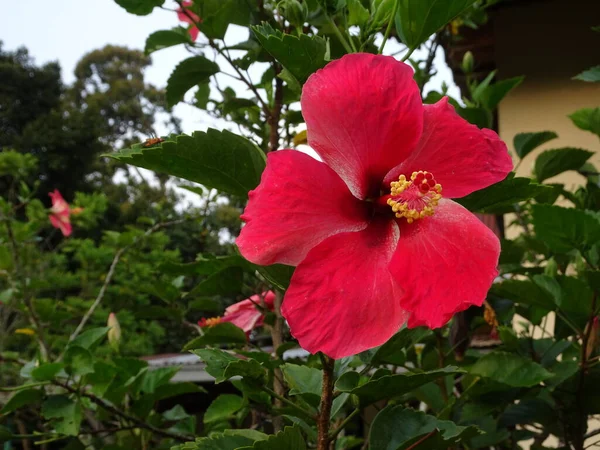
468, 62
114, 334
551, 268
294, 11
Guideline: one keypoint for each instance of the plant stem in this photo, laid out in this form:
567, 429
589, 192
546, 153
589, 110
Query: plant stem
326, 402
408, 55
288, 402
388, 30
339, 34
420, 441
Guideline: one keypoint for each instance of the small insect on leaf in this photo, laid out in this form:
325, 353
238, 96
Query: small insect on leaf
151, 142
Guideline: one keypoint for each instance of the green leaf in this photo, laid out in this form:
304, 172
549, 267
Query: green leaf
591, 75
227, 440
78, 361
22, 398
223, 408
217, 15
417, 20
66, 410
511, 369
47, 371
393, 351
202, 95
5, 434
301, 56
225, 282
279, 275
223, 365
290, 438
397, 428
389, 386
166, 38
153, 379
357, 13
188, 73
588, 119
525, 143
174, 389
215, 159
139, 7
563, 229
525, 292
499, 198
222, 333
559, 160
90, 337
303, 379
204, 265
493, 94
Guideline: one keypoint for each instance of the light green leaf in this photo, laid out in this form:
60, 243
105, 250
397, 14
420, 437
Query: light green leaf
139, 7
493, 94
47, 371
66, 410
90, 337
417, 20
222, 333
525, 143
591, 75
357, 13
559, 160
166, 38
279, 275
215, 159
153, 379
511, 369
587, 119
223, 408
217, 15
188, 73
22, 398
563, 229
223, 365
301, 56
397, 428
78, 361
303, 379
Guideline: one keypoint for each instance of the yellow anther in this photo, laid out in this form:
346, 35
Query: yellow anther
416, 198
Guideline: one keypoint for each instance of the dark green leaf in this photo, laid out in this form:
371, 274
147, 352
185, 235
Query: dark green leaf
417, 20
525, 143
499, 198
227, 440
202, 95
279, 275
222, 333
217, 15
289, 438
392, 352
204, 265
303, 379
528, 411
389, 386
153, 379
47, 371
66, 410
301, 56
225, 282
78, 361
357, 13
166, 38
587, 119
397, 428
511, 369
22, 398
139, 7
223, 365
592, 75
90, 337
223, 408
215, 159
188, 73
563, 229
559, 160
174, 389
525, 292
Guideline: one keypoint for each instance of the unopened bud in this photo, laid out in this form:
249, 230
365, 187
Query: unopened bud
468, 62
114, 334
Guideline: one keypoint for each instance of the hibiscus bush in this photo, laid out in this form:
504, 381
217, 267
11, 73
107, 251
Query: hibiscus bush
376, 309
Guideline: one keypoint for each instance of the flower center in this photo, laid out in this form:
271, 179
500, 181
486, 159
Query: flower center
415, 198
210, 322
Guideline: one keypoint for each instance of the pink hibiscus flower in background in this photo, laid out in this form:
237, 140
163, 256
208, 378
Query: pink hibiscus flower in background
375, 237
246, 314
191, 18
60, 213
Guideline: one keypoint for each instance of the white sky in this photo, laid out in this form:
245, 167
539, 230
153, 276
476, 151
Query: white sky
64, 30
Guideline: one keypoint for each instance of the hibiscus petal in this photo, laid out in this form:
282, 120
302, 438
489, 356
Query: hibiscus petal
461, 157
445, 263
299, 203
62, 224
342, 298
364, 116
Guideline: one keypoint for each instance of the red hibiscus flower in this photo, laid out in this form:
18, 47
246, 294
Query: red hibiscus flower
59, 213
375, 237
246, 314
190, 18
